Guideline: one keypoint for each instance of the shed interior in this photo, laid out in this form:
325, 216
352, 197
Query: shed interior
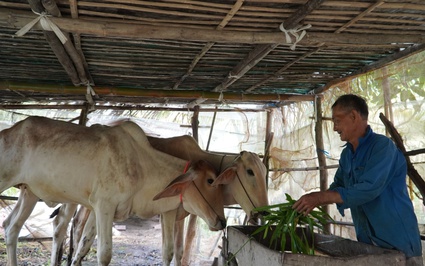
254, 70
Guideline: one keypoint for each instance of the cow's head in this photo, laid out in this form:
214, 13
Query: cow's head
198, 194
245, 183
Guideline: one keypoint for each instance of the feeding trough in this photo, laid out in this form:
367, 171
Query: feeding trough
240, 247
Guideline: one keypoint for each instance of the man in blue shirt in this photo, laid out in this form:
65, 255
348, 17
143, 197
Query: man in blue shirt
371, 181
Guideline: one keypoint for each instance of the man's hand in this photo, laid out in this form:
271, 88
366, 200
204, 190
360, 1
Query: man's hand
308, 202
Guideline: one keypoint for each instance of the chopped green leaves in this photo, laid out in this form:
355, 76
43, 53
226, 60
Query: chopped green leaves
285, 224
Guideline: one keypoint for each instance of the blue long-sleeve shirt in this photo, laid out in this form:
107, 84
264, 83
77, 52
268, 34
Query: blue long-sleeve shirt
372, 183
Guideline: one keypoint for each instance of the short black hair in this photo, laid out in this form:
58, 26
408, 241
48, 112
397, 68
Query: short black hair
353, 102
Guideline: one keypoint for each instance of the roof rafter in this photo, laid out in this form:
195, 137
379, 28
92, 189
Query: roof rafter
208, 46
307, 54
376, 65
261, 51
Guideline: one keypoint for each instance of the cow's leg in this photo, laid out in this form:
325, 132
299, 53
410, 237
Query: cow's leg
11, 252
178, 241
168, 220
14, 222
15, 210
78, 224
190, 236
86, 240
105, 212
60, 226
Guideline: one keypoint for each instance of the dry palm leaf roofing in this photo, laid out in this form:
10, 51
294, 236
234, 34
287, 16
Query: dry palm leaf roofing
197, 52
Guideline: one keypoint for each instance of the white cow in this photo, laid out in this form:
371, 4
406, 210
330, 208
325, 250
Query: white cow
111, 170
244, 174
244, 177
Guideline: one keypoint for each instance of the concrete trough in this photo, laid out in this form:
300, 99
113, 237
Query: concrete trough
239, 248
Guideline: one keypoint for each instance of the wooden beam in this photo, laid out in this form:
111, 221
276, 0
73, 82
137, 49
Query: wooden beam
176, 94
132, 107
116, 28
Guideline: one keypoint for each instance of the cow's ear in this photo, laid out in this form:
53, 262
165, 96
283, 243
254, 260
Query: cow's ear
226, 177
172, 190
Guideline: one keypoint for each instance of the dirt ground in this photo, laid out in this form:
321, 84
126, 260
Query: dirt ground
137, 243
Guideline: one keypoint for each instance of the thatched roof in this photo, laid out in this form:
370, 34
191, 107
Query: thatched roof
176, 51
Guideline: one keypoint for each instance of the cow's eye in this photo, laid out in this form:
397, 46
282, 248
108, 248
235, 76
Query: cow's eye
250, 172
210, 181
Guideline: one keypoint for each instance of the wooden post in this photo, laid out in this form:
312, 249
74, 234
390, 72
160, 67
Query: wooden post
83, 114
192, 224
320, 154
80, 218
211, 130
268, 142
388, 110
195, 122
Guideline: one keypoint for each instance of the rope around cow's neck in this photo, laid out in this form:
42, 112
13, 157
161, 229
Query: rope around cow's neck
240, 181
205, 199
221, 163
181, 194
246, 192
184, 172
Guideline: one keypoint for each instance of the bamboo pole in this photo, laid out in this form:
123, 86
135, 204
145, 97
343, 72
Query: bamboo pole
63, 57
268, 142
54, 42
386, 86
320, 155
74, 55
137, 107
118, 28
152, 92
303, 169
83, 212
212, 128
192, 224
411, 171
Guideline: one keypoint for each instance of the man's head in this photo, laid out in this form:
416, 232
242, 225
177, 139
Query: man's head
350, 114
350, 102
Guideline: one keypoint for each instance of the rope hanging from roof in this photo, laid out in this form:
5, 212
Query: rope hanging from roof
89, 95
294, 32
